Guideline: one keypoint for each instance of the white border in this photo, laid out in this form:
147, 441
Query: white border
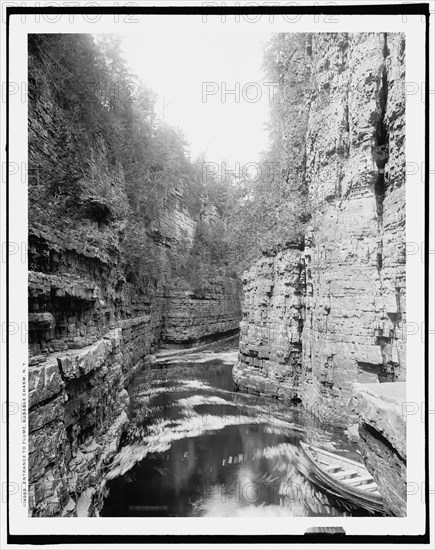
415, 37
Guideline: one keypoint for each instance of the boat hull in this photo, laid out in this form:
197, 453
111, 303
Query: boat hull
327, 482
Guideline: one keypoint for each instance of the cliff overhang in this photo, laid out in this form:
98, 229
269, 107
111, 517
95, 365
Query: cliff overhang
382, 430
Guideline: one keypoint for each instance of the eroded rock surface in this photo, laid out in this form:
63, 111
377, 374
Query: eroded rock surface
92, 326
270, 359
90, 331
192, 317
318, 320
346, 323
382, 440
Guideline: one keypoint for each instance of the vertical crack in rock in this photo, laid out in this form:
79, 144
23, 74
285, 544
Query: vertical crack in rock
380, 149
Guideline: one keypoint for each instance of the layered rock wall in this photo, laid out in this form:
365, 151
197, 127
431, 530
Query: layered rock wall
74, 399
382, 441
90, 331
192, 317
92, 326
350, 276
270, 354
354, 256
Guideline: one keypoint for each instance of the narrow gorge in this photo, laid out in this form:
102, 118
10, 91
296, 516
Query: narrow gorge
134, 259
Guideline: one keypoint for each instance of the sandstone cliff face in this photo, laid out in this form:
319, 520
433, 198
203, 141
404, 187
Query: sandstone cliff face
91, 327
319, 320
350, 275
355, 250
89, 333
270, 360
382, 442
192, 317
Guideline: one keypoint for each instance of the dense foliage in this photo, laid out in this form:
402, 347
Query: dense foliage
270, 209
116, 165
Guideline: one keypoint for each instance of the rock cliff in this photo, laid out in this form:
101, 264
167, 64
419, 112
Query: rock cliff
92, 324
337, 301
382, 442
191, 317
90, 331
331, 313
271, 327
355, 253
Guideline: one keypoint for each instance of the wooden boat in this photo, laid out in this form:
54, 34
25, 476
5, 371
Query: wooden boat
346, 479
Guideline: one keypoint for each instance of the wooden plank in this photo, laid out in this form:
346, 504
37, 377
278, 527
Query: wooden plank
336, 457
358, 480
332, 467
344, 473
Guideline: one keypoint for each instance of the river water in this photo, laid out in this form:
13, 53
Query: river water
197, 448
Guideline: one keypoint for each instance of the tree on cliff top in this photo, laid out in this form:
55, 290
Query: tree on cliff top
269, 211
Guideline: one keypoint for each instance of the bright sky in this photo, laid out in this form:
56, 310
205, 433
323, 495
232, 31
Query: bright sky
177, 67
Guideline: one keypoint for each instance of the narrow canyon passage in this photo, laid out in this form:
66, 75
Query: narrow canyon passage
140, 249
197, 448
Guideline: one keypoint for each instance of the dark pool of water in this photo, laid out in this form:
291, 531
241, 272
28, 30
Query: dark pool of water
196, 448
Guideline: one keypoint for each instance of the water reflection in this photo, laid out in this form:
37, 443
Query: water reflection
196, 448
